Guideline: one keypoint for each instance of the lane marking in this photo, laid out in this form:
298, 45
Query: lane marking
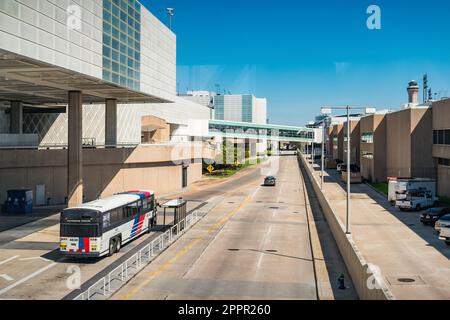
8, 260
186, 249
6, 277
12, 286
35, 258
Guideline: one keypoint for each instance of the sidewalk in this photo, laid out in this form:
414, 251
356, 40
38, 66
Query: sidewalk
413, 262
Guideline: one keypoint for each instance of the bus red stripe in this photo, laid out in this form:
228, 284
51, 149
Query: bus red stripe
86, 244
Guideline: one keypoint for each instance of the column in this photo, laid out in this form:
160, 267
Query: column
74, 156
111, 122
16, 117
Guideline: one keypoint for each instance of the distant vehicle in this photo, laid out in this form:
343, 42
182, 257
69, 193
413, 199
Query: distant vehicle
416, 200
431, 216
442, 222
445, 233
270, 181
101, 227
353, 168
399, 187
414, 194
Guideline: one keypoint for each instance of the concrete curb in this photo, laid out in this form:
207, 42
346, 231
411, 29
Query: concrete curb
360, 271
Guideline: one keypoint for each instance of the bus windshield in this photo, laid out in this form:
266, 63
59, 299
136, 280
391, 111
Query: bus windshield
79, 216
76, 230
79, 223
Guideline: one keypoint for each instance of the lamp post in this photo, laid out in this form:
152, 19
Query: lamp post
170, 13
328, 111
323, 156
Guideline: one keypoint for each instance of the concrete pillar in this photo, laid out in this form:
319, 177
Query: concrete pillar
111, 122
16, 117
75, 148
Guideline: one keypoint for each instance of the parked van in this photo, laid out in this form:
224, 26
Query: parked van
415, 194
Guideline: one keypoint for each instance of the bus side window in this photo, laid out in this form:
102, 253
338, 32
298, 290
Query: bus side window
106, 220
145, 204
116, 216
151, 203
127, 212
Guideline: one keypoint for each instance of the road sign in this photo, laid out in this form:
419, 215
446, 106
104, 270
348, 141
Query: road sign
210, 168
237, 163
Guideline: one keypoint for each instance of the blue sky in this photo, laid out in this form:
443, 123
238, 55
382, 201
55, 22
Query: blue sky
302, 55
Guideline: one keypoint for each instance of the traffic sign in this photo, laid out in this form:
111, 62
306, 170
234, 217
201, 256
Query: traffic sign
210, 168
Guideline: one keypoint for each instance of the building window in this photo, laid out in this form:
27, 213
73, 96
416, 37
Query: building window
441, 137
367, 137
121, 42
444, 162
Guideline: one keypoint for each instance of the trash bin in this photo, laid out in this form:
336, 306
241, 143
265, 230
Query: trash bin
19, 201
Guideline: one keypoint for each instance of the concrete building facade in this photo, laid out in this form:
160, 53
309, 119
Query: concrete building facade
232, 107
338, 141
77, 74
373, 148
441, 144
409, 143
355, 137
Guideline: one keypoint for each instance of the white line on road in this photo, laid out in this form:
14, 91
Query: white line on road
6, 277
35, 258
8, 260
12, 286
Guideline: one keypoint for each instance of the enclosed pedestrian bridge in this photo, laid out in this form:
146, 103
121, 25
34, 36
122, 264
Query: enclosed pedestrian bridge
244, 130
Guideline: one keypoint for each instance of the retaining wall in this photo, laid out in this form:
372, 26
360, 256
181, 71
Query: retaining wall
362, 277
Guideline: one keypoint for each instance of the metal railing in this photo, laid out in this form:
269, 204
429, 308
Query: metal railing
114, 280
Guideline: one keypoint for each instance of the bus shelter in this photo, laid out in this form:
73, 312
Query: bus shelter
179, 209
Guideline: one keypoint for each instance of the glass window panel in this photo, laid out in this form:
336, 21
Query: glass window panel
115, 55
115, 21
447, 137
440, 136
115, 67
107, 16
107, 40
115, 44
115, 78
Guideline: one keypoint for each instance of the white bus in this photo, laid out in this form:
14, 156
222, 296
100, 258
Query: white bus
103, 226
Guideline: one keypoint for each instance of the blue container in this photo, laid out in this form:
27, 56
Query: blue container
19, 201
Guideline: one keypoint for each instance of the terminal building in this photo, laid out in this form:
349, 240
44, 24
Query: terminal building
232, 107
441, 144
88, 103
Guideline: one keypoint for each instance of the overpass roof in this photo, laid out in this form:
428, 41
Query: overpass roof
36, 82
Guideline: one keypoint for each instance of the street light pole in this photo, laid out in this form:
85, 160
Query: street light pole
347, 221
323, 155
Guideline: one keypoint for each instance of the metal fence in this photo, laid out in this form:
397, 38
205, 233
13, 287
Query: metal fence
115, 279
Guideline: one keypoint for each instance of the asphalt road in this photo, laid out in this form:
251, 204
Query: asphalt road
254, 244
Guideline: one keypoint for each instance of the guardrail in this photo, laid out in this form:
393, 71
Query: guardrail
115, 279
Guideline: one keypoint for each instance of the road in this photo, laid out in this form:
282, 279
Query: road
255, 244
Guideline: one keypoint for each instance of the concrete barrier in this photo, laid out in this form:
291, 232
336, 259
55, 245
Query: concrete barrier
368, 285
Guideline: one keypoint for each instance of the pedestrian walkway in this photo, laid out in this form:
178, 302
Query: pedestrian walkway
413, 262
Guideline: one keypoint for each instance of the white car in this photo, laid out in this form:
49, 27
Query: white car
445, 234
443, 222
